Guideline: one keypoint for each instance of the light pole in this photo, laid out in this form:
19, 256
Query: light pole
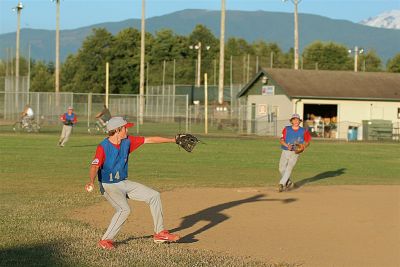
142, 47
221, 55
57, 70
296, 33
356, 51
18, 8
198, 48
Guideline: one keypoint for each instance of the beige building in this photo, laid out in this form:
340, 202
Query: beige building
333, 104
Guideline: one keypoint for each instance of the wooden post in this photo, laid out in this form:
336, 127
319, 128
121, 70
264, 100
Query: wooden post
107, 82
205, 104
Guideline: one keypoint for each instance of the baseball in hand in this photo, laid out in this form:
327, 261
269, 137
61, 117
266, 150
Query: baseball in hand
89, 187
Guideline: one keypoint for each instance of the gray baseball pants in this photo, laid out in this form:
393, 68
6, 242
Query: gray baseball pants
65, 133
116, 195
286, 164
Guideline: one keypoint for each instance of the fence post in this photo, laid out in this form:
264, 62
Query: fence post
89, 109
205, 104
37, 107
187, 113
173, 91
137, 117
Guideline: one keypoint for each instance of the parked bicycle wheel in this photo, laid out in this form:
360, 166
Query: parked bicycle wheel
96, 129
17, 127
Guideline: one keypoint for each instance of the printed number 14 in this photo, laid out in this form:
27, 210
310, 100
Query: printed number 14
116, 176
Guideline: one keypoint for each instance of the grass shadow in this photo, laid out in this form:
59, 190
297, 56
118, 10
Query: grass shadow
32, 255
215, 216
320, 176
127, 240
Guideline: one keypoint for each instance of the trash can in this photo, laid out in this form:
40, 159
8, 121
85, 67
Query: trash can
352, 133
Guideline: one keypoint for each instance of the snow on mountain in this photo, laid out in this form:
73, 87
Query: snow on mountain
389, 20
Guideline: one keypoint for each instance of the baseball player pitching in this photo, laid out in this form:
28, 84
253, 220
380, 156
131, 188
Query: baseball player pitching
110, 165
294, 140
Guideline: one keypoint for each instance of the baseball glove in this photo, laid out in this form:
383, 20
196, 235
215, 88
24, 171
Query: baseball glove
68, 122
186, 141
299, 148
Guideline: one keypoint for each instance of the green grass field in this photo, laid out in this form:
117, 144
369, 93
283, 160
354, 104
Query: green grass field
41, 183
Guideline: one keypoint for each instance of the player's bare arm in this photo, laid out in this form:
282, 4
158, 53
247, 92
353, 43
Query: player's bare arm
158, 140
92, 174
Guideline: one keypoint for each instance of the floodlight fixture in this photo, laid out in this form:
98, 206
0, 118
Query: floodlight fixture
19, 7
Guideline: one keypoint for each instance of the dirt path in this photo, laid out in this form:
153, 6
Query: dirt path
312, 225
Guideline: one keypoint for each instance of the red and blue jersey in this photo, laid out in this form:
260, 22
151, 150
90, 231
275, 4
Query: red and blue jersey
112, 159
69, 117
292, 136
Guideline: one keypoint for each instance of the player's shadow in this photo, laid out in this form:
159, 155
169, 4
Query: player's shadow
320, 176
214, 216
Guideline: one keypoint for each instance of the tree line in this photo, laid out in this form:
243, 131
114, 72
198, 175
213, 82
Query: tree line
172, 58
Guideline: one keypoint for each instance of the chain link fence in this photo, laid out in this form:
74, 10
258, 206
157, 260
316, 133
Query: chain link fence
167, 113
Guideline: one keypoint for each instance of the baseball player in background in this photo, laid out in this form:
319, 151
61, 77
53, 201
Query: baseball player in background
69, 119
293, 142
110, 165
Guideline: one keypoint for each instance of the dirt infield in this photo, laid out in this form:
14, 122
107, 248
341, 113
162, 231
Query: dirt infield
310, 226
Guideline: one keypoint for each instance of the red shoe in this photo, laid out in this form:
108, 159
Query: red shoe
106, 244
165, 236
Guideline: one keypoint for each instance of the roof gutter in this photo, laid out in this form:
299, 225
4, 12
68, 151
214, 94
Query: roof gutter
347, 98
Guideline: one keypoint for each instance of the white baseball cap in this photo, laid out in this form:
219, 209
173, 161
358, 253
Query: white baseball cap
116, 122
295, 116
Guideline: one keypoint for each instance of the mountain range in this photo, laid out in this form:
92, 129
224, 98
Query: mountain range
249, 25
389, 20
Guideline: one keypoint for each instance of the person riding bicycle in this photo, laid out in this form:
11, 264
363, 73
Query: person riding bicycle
104, 116
27, 115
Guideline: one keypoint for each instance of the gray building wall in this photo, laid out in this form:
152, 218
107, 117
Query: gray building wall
271, 113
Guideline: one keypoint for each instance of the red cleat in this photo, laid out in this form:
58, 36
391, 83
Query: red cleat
106, 244
165, 236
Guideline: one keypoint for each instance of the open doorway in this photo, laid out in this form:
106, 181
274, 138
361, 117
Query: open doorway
321, 120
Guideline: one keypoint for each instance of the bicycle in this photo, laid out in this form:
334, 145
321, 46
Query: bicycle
29, 126
97, 128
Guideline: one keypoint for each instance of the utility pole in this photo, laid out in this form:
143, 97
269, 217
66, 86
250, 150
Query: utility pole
198, 63
198, 47
18, 8
356, 59
221, 55
142, 43
356, 51
296, 33
57, 70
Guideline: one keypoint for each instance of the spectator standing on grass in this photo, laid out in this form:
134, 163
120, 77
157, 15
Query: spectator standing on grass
110, 165
69, 119
104, 116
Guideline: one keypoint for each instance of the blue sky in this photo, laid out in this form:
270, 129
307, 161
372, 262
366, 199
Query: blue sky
40, 14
